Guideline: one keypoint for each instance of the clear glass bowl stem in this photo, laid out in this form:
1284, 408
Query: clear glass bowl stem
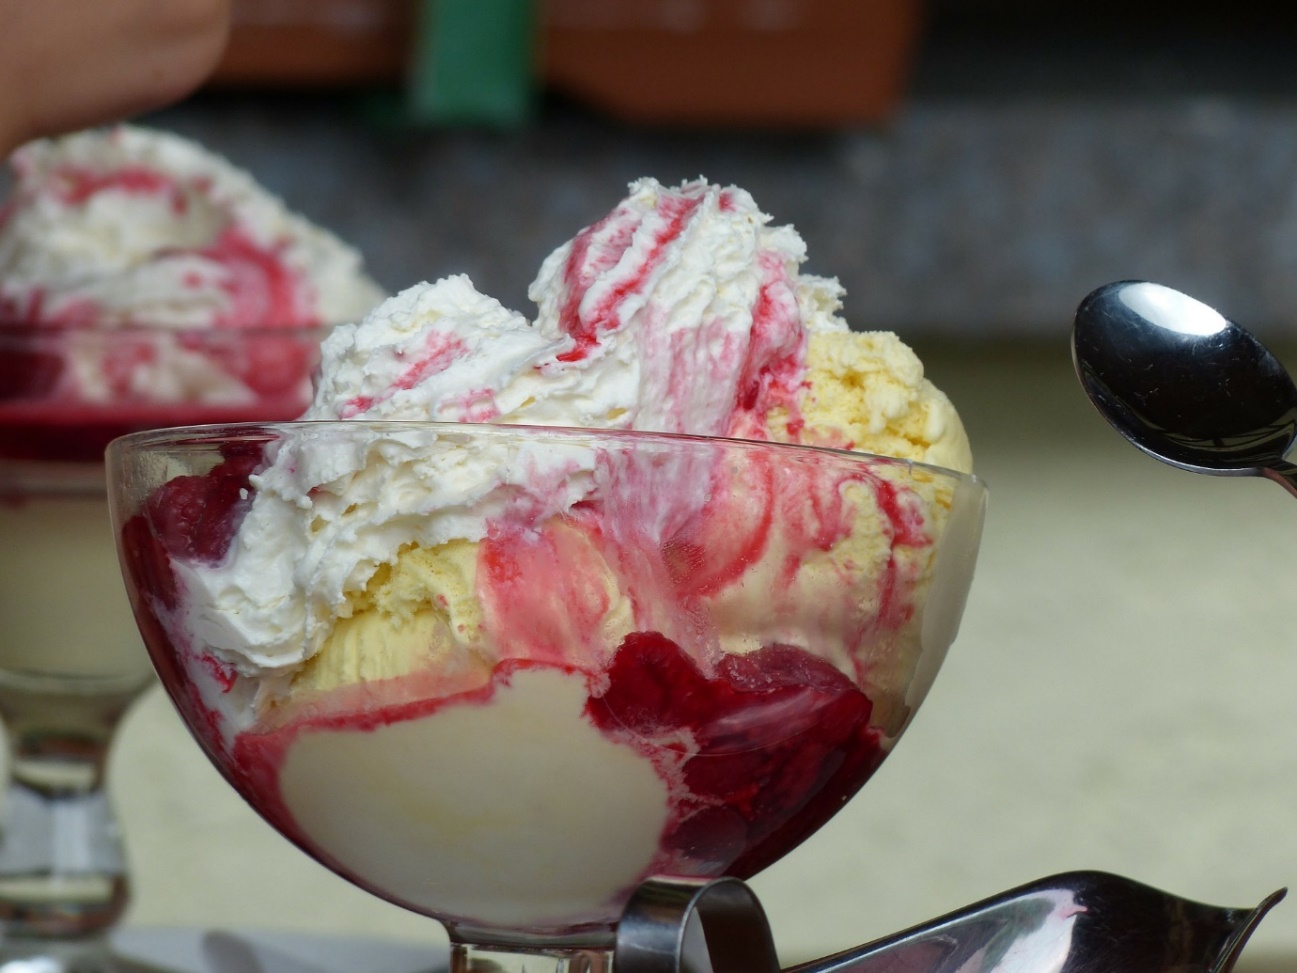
473, 958
70, 667
63, 872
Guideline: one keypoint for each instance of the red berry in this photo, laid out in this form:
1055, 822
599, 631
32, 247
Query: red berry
195, 517
782, 740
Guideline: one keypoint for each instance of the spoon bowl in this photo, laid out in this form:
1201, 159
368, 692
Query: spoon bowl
1082, 922
1184, 383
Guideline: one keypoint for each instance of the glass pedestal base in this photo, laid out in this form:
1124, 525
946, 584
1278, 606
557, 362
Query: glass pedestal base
63, 874
89, 955
468, 958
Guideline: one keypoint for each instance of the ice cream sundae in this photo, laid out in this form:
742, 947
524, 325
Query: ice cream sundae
526, 611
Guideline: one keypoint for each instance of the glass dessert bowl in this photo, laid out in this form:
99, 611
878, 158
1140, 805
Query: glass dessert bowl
71, 660
500, 675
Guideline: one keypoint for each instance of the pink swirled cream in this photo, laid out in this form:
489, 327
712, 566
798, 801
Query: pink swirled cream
132, 226
146, 281
501, 678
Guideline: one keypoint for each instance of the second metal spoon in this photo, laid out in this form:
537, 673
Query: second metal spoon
1184, 383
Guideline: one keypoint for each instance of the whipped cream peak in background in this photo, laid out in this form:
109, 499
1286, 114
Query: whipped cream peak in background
687, 299
132, 226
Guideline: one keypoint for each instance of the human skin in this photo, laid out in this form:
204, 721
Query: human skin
70, 64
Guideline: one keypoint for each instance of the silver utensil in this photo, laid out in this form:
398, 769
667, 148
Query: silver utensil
1076, 922
1184, 383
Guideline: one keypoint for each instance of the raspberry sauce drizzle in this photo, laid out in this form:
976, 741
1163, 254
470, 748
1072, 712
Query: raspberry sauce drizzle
597, 250
781, 741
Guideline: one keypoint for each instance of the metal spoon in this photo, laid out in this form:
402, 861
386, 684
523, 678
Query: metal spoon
1076, 922
1184, 383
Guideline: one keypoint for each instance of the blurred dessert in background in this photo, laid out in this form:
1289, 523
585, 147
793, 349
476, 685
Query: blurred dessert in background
145, 281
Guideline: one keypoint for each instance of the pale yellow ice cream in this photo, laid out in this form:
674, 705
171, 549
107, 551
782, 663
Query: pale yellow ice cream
867, 391
419, 609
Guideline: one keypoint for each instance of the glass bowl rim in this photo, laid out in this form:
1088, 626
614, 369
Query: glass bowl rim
214, 433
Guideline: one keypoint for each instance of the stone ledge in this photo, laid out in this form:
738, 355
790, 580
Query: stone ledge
973, 218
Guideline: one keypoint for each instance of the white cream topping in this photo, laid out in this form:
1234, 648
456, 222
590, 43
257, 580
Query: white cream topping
669, 294
441, 352
669, 300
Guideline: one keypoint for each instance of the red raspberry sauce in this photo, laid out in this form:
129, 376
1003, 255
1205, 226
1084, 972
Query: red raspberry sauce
781, 741
70, 432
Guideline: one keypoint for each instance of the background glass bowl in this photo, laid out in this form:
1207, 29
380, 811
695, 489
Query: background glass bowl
554, 662
71, 661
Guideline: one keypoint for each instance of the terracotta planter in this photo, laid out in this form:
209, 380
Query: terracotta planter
304, 43
785, 62
804, 63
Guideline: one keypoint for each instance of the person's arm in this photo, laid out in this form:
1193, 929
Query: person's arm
70, 64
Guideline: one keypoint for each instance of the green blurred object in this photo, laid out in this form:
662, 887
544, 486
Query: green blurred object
473, 63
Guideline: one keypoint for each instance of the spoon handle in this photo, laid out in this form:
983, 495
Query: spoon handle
1283, 473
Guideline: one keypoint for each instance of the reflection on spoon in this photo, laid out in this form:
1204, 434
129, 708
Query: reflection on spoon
1076, 922
1184, 383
